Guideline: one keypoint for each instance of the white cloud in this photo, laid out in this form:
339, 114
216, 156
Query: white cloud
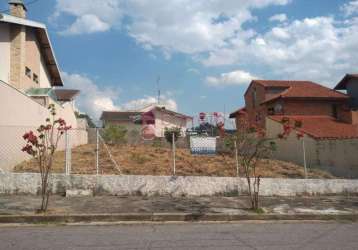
193, 71
90, 16
237, 77
279, 18
86, 24
191, 26
136, 104
350, 8
174, 26
319, 49
92, 99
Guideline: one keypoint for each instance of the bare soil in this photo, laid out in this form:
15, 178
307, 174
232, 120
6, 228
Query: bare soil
156, 160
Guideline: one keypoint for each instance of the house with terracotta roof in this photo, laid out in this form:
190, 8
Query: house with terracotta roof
328, 119
265, 98
30, 80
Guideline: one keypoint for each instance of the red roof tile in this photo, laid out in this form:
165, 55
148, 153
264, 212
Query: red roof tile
239, 111
279, 83
302, 89
323, 127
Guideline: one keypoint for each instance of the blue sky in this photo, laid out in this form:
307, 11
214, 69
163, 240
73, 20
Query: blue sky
205, 52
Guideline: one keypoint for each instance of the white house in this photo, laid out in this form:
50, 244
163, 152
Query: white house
153, 115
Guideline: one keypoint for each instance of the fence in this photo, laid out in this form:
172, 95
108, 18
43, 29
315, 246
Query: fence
12, 157
126, 151
191, 154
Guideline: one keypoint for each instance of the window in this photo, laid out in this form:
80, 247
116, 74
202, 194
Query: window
28, 72
36, 78
271, 111
278, 108
335, 111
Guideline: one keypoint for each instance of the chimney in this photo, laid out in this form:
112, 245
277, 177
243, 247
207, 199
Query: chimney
17, 8
17, 45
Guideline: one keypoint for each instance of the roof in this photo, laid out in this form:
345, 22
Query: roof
56, 94
170, 112
303, 90
119, 115
238, 111
279, 83
65, 94
343, 83
128, 115
44, 42
322, 127
38, 91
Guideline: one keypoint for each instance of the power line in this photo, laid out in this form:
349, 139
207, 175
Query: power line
26, 4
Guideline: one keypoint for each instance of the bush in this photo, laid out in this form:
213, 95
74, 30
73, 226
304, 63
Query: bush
115, 134
168, 133
157, 142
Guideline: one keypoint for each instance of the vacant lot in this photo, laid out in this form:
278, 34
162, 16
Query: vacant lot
151, 160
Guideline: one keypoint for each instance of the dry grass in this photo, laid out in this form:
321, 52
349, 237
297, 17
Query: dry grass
151, 160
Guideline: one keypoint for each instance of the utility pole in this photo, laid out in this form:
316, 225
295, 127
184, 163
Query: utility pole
158, 89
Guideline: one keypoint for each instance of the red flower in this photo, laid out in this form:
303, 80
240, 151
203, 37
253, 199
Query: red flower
28, 149
30, 137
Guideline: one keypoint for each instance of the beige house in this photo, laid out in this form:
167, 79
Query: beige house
135, 119
30, 79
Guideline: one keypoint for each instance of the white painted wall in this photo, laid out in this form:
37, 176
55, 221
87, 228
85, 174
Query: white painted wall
45, 80
180, 186
19, 114
164, 120
4, 52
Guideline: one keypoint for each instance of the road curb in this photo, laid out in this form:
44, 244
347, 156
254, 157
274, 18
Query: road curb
168, 217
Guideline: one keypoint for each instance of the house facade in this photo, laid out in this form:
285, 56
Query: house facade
264, 98
328, 119
152, 115
30, 80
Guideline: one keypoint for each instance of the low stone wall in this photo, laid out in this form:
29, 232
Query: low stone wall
29, 183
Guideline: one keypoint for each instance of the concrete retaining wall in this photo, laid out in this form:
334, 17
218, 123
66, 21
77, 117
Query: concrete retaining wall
28, 183
338, 157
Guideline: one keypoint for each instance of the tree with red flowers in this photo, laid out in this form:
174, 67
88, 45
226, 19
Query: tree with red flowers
42, 145
252, 144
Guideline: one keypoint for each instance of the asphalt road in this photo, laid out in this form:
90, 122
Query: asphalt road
184, 236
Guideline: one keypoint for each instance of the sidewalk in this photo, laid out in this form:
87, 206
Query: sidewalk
178, 209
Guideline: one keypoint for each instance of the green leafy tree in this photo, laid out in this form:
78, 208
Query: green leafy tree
114, 134
168, 134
